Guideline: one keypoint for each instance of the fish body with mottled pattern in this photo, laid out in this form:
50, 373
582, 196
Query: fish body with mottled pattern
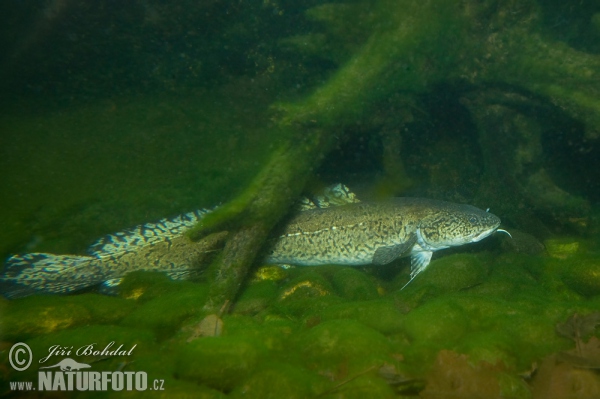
160, 246
379, 232
354, 233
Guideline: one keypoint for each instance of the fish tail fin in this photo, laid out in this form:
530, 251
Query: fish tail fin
41, 273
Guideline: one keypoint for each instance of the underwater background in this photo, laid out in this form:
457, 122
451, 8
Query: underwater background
119, 113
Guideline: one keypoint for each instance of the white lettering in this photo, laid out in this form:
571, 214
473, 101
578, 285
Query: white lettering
94, 382
129, 374
141, 381
70, 375
59, 381
105, 379
118, 380
82, 381
44, 380
90, 381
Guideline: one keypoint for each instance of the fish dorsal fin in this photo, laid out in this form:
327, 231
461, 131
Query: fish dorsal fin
334, 195
145, 234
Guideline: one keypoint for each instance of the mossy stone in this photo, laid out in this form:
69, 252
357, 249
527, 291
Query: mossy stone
280, 380
143, 286
354, 285
441, 321
453, 272
164, 314
271, 335
36, 315
381, 315
342, 343
355, 386
562, 248
583, 276
306, 294
218, 362
256, 297
492, 347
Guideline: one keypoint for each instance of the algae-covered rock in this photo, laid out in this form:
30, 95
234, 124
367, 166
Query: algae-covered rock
493, 346
440, 321
583, 276
457, 271
362, 385
256, 297
308, 293
522, 242
143, 285
338, 345
165, 313
36, 315
557, 380
448, 273
562, 248
218, 362
381, 315
454, 375
280, 380
354, 284
271, 334
510, 274
270, 272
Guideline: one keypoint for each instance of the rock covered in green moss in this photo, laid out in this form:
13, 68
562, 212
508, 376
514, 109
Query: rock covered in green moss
583, 275
562, 248
143, 286
354, 284
256, 297
307, 293
37, 315
164, 313
218, 362
342, 343
380, 314
280, 380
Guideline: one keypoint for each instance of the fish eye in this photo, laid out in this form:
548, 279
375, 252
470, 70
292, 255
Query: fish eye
473, 219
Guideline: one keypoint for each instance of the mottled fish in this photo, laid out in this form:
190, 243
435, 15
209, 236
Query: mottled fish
379, 232
335, 228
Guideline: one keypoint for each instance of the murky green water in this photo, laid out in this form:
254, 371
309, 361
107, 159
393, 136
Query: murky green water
114, 115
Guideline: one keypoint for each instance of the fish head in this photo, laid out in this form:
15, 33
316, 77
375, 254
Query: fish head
456, 225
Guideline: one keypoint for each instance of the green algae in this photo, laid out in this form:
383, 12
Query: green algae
164, 314
354, 285
582, 276
218, 362
256, 297
280, 380
142, 286
342, 343
33, 316
382, 315
310, 336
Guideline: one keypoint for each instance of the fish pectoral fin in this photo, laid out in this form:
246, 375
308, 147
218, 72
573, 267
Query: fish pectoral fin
418, 262
385, 255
